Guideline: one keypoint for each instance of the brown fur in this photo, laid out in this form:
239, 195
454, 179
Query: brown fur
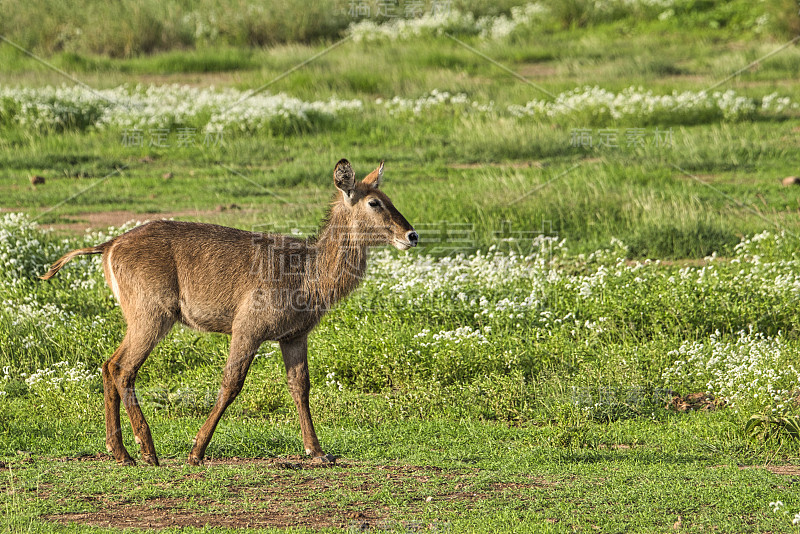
256, 287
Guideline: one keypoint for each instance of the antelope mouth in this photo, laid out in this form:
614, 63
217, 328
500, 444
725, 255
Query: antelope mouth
403, 244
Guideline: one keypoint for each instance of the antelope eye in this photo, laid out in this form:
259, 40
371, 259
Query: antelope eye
374, 203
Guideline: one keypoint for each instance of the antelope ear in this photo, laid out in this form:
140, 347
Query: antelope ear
374, 178
344, 178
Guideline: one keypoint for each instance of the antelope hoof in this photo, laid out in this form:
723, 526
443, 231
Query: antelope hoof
151, 459
327, 459
194, 460
126, 461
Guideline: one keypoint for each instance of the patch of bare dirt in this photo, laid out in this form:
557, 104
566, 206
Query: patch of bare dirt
100, 456
694, 401
104, 219
510, 165
538, 70
279, 505
292, 461
282, 501
517, 486
784, 470
158, 515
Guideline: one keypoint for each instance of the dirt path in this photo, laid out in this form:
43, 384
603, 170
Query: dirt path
290, 492
104, 219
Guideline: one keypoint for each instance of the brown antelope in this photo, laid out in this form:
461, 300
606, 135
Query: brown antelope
255, 287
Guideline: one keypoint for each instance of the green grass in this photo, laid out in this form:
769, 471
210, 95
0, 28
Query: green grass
715, 184
493, 444
629, 193
555, 424
134, 29
462, 477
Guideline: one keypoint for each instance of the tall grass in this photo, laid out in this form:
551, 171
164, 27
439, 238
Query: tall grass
127, 29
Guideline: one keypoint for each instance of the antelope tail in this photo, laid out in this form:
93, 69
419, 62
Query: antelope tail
67, 257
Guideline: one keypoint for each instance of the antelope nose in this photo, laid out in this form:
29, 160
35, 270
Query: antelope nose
413, 238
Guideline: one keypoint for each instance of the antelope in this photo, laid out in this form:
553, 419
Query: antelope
254, 287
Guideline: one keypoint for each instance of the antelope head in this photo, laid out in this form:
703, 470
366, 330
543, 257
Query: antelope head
372, 216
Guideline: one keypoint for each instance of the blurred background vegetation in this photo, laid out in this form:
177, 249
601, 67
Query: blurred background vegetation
130, 29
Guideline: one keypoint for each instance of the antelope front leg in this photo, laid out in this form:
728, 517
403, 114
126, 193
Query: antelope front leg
295, 358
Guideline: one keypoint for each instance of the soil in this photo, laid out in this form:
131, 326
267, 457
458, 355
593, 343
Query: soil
784, 470
286, 501
102, 220
694, 401
538, 70
510, 165
158, 514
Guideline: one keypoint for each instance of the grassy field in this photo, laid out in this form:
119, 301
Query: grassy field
605, 292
